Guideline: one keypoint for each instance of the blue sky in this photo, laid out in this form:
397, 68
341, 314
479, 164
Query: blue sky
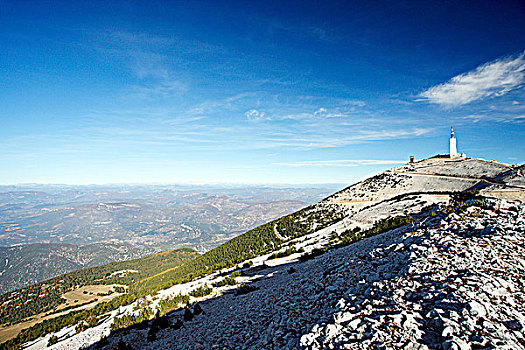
254, 92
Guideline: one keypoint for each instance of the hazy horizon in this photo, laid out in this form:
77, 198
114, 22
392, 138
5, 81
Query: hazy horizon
194, 184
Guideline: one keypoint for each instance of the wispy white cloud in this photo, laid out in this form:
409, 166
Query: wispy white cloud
322, 34
138, 39
254, 114
319, 113
141, 53
357, 103
165, 88
232, 104
300, 30
475, 118
492, 79
149, 59
294, 116
146, 65
325, 113
315, 137
342, 163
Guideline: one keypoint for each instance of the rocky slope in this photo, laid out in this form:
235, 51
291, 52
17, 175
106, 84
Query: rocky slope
454, 281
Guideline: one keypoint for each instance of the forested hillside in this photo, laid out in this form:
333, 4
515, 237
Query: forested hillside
46, 296
27, 264
260, 240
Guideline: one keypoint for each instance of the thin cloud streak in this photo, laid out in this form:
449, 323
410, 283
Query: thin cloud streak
476, 118
319, 113
492, 79
161, 89
331, 140
342, 163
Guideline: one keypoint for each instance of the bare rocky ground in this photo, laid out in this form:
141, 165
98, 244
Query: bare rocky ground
456, 282
430, 176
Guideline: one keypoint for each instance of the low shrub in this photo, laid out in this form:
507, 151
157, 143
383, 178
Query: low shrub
52, 340
284, 253
228, 281
314, 253
201, 291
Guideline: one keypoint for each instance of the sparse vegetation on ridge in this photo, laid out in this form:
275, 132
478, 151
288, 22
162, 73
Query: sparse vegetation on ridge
461, 200
166, 305
228, 280
201, 291
287, 252
129, 320
52, 340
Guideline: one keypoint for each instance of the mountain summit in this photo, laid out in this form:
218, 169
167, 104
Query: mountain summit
410, 187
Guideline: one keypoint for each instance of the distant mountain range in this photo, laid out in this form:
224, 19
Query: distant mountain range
160, 216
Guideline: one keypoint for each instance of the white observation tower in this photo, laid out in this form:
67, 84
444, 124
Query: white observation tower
453, 145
